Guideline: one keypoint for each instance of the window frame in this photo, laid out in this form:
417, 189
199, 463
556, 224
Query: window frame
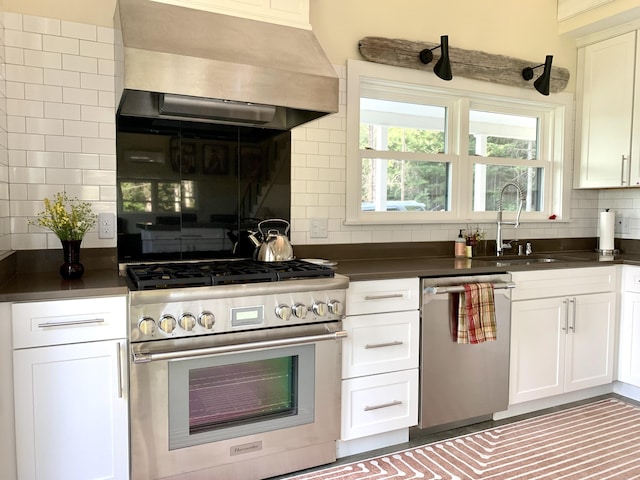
459, 96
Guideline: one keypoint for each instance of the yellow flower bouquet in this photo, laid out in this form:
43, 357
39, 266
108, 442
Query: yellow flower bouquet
69, 219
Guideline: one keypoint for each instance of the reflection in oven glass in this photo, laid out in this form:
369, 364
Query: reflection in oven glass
226, 395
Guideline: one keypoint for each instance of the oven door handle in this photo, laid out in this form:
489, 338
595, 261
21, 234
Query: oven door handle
145, 357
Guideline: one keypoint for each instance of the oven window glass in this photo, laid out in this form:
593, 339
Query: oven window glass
227, 396
238, 393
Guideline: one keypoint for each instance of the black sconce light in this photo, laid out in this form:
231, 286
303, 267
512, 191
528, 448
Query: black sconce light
543, 81
443, 66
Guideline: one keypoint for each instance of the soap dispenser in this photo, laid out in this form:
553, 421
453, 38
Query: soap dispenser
460, 246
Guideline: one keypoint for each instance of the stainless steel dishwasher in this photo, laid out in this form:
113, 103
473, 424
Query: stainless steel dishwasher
462, 383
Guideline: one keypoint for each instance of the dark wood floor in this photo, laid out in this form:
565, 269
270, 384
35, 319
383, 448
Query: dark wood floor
419, 437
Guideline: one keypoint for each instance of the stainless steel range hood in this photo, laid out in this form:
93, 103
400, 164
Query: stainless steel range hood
181, 63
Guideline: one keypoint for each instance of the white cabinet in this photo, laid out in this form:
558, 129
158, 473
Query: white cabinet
380, 358
71, 412
607, 114
629, 347
562, 333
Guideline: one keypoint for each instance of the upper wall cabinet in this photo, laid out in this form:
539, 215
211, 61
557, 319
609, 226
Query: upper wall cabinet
293, 13
607, 132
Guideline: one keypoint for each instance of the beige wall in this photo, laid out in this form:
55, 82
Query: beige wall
94, 12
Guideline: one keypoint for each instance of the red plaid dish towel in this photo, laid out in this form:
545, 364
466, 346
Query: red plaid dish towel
476, 319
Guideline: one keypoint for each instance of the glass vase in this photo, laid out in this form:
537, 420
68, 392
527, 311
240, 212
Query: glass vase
71, 268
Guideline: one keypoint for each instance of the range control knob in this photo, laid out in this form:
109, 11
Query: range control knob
147, 325
335, 307
206, 320
300, 310
167, 323
283, 312
187, 321
320, 309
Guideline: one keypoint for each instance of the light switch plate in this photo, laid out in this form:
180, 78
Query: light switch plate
319, 228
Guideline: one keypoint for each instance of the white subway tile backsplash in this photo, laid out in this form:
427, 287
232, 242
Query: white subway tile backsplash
44, 126
82, 160
98, 177
106, 67
16, 124
88, 193
23, 141
15, 90
18, 191
81, 96
15, 38
39, 192
106, 99
79, 30
45, 93
62, 78
64, 176
12, 21
78, 128
17, 158
26, 175
52, 43
45, 159
97, 114
50, 26
97, 82
107, 162
96, 50
62, 110
26, 108
79, 63
14, 56
98, 145
37, 58
22, 73
105, 35
108, 193
107, 130
60, 143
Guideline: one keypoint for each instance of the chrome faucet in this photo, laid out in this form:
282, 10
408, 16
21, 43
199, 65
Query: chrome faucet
499, 245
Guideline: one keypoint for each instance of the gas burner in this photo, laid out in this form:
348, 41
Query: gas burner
209, 273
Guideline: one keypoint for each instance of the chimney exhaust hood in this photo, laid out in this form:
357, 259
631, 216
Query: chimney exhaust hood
178, 63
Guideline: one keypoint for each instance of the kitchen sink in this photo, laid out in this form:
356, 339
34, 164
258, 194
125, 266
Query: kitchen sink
524, 261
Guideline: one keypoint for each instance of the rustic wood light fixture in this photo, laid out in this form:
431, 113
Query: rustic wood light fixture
465, 63
543, 81
443, 67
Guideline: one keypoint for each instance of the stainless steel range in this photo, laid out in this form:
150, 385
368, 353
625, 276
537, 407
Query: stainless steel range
235, 368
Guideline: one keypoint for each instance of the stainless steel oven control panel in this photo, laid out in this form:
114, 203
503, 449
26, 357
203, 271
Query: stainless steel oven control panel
204, 316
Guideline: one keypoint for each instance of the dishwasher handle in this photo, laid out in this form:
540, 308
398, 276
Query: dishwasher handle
460, 288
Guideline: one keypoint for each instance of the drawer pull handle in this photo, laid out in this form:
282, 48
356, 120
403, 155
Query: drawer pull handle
71, 322
383, 405
119, 367
383, 297
382, 345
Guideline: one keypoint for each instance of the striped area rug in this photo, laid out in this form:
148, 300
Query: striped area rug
597, 441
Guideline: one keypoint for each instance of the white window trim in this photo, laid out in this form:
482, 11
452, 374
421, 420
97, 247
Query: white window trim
557, 176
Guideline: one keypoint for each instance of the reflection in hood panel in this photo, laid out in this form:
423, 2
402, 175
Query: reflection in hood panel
177, 62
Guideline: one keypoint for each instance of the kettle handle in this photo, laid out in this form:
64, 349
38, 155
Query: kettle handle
271, 220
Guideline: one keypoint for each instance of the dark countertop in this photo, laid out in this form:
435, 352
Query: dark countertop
31, 278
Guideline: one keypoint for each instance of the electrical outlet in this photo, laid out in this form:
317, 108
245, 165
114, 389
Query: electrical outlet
622, 225
319, 228
105, 225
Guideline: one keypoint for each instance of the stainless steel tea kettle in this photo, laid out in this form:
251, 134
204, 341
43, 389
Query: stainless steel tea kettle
274, 246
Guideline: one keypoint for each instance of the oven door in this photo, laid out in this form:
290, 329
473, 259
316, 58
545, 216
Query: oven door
230, 409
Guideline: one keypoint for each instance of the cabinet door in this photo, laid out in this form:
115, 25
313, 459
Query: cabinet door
590, 341
71, 412
604, 112
537, 349
629, 357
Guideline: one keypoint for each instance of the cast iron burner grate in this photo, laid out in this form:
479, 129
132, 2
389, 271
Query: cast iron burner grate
207, 273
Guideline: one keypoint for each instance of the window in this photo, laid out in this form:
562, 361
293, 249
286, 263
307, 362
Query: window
158, 197
421, 151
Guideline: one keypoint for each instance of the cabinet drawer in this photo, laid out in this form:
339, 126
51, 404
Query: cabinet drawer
376, 296
68, 321
563, 281
380, 343
379, 403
